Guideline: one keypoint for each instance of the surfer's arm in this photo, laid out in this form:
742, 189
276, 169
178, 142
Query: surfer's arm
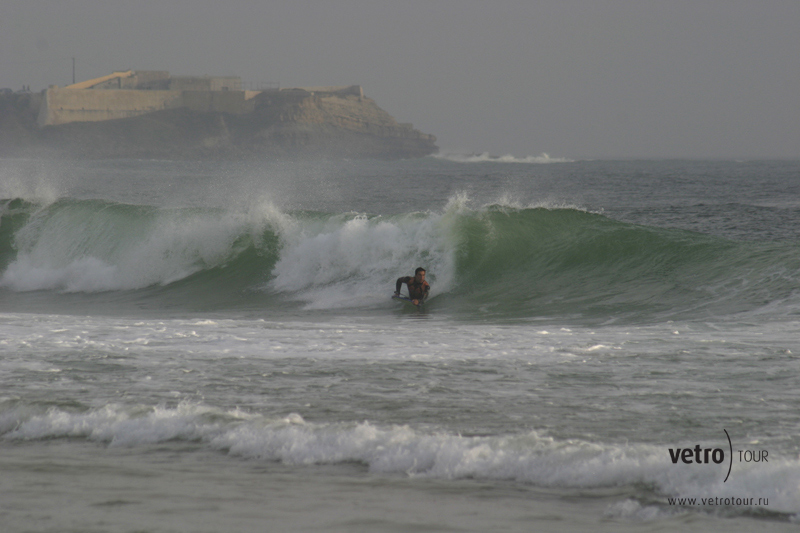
399, 284
420, 301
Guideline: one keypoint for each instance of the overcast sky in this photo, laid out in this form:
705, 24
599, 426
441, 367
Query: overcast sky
573, 78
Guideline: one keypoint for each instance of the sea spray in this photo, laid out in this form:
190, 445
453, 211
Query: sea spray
87, 246
355, 259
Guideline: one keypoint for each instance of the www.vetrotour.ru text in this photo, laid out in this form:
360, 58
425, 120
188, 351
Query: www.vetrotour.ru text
757, 502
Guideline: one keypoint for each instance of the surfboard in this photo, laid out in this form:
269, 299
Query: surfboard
407, 300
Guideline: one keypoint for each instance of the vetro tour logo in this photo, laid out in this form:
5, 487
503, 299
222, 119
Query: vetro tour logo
700, 455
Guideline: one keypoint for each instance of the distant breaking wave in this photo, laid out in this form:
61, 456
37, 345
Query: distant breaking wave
486, 157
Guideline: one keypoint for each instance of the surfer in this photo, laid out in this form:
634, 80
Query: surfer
418, 288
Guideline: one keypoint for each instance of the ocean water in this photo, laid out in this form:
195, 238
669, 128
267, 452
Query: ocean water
203, 347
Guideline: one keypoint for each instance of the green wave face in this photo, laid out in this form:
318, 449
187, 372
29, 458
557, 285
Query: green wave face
565, 261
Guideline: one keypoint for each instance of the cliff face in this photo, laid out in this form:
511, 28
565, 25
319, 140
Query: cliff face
350, 125
286, 123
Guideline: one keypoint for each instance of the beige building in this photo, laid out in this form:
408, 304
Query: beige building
131, 93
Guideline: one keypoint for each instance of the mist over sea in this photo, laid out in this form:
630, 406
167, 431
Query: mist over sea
212, 346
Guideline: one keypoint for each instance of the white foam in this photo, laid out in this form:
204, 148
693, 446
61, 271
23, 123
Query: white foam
84, 274
486, 157
355, 261
527, 458
119, 426
633, 510
81, 249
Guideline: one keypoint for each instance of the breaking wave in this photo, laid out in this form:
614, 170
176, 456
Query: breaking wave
503, 261
529, 457
486, 157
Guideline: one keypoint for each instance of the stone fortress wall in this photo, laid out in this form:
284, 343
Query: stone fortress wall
132, 93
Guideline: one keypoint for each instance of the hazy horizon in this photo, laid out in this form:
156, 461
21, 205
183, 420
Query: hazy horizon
572, 78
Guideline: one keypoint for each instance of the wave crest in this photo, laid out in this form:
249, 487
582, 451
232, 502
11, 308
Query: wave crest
502, 260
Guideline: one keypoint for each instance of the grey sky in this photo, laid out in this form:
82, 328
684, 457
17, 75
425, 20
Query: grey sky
573, 78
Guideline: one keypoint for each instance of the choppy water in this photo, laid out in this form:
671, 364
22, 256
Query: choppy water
192, 344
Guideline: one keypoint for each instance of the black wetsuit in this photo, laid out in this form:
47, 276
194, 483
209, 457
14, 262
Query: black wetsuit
416, 291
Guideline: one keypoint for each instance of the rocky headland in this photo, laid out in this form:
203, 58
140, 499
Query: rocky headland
288, 123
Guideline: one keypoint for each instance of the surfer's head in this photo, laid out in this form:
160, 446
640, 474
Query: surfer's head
419, 274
